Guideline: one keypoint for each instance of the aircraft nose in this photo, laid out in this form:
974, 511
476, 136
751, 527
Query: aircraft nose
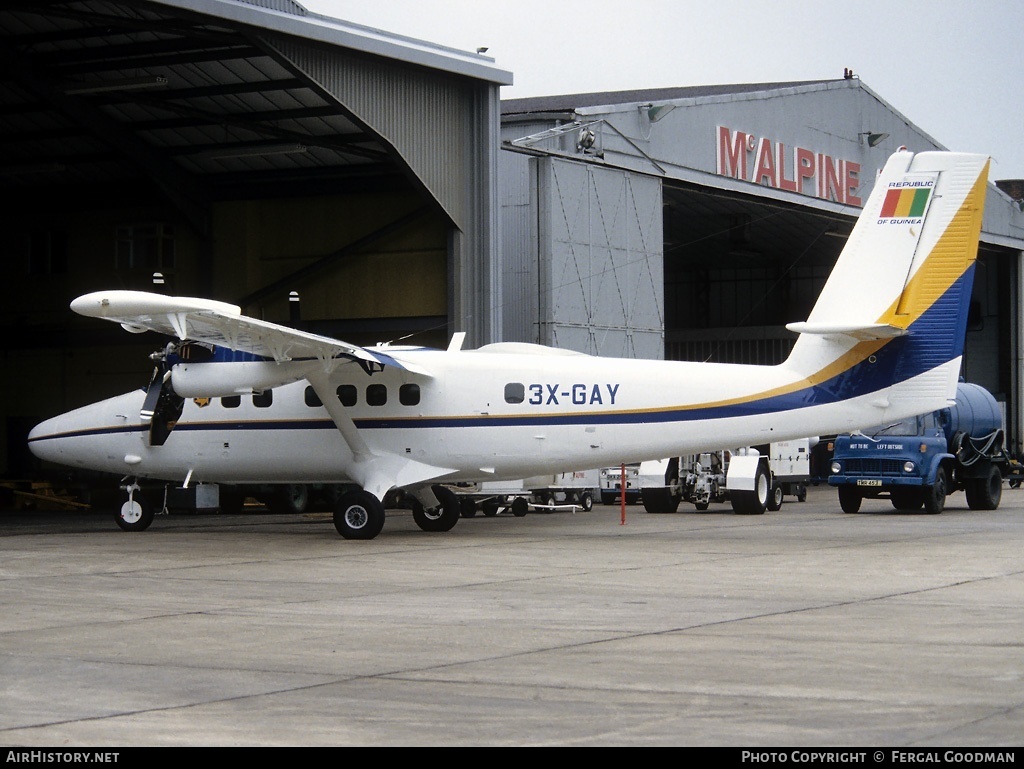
42, 439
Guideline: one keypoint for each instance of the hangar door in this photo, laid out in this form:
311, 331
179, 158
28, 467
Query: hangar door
600, 271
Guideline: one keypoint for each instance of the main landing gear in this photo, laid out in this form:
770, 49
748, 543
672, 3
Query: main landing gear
360, 515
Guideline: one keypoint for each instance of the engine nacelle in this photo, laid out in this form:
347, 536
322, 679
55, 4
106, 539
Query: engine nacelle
220, 378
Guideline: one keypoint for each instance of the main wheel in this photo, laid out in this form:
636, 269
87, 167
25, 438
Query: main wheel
441, 518
752, 502
359, 515
289, 499
775, 498
850, 499
985, 493
136, 514
935, 495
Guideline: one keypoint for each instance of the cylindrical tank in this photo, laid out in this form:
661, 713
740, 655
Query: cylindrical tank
976, 412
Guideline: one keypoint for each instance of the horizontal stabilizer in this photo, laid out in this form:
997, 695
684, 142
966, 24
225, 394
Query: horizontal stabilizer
863, 333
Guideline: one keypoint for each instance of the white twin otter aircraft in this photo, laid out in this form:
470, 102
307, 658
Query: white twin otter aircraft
883, 342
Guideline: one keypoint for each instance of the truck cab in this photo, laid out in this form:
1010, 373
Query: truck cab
917, 462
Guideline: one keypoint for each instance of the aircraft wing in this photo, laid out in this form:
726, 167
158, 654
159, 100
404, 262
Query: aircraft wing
222, 324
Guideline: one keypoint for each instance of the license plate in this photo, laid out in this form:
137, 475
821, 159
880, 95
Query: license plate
868, 482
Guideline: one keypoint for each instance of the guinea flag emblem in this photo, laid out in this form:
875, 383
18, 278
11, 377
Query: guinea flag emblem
906, 200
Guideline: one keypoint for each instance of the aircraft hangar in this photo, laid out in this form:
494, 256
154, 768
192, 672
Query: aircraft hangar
694, 223
243, 150
246, 149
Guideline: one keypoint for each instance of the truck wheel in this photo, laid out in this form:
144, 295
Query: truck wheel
935, 495
906, 498
660, 501
753, 502
985, 493
850, 499
586, 501
775, 498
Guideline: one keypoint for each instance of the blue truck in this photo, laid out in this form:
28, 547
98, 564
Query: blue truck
919, 461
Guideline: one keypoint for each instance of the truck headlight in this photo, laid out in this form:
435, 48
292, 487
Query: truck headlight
836, 468
908, 467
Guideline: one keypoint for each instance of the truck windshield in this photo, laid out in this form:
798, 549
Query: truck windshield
904, 427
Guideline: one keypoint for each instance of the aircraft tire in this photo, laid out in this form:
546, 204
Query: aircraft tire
289, 499
359, 515
441, 518
134, 515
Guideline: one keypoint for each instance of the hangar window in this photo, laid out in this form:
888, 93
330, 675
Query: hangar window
231, 401
409, 394
347, 395
263, 400
311, 398
515, 392
376, 395
48, 252
144, 247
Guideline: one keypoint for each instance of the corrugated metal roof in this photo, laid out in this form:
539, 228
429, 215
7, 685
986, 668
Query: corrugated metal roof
192, 95
570, 102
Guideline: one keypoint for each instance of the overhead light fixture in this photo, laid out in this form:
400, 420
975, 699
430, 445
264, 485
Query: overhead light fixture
123, 84
872, 139
255, 151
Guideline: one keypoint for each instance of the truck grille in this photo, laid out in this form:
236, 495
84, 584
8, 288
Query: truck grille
867, 466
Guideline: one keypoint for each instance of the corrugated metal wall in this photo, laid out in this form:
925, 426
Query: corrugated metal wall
444, 128
600, 256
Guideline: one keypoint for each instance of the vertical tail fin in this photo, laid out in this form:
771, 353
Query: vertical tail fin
893, 314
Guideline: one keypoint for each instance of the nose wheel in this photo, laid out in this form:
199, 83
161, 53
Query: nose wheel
137, 513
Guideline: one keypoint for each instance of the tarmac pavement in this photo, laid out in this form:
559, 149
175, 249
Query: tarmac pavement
802, 627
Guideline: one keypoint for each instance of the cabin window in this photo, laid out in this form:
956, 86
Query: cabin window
263, 400
515, 392
376, 395
312, 399
231, 401
347, 395
409, 394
